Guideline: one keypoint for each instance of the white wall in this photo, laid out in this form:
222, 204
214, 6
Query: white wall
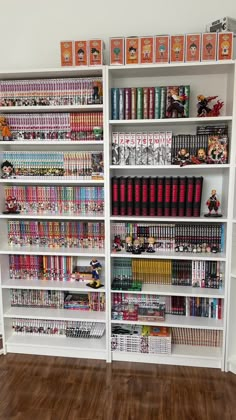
32, 29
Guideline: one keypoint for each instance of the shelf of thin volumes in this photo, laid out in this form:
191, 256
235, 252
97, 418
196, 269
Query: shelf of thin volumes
49, 108
52, 143
172, 121
36, 250
52, 72
149, 219
55, 314
161, 167
58, 346
162, 289
54, 216
183, 355
72, 286
180, 321
51, 180
172, 255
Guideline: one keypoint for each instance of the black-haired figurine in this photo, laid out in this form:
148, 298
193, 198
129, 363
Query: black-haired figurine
12, 206
8, 170
182, 158
96, 267
213, 203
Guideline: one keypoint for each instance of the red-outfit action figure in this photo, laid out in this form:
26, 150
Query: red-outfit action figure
213, 203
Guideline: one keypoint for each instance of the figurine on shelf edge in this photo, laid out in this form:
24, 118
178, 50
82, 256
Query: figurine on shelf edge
117, 244
204, 110
200, 158
12, 205
182, 158
8, 170
151, 242
129, 245
96, 268
136, 247
5, 133
213, 203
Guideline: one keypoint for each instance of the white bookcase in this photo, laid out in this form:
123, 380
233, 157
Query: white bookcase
208, 79
51, 345
204, 78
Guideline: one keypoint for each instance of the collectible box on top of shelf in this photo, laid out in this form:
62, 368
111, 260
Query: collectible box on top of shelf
192, 47
117, 56
177, 44
146, 49
81, 53
96, 50
162, 51
67, 53
225, 46
209, 46
225, 24
132, 50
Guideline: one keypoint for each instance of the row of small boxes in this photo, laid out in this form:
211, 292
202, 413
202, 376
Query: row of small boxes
171, 48
82, 53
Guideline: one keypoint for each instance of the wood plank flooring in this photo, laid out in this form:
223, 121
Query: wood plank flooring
53, 388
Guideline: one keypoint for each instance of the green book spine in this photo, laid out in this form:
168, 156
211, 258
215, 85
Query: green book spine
186, 105
139, 103
157, 109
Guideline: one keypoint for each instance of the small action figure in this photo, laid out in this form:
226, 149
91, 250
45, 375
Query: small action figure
182, 158
129, 245
136, 247
203, 108
7, 170
213, 204
12, 205
117, 245
200, 158
96, 268
5, 133
151, 242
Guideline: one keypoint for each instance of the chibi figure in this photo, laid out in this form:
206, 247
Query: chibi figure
95, 268
176, 103
136, 247
182, 158
117, 245
129, 245
132, 53
151, 242
209, 47
12, 205
162, 50
193, 49
213, 203
200, 158
80, 53
146, 52
7, 170
177, 50
5, 133
225, 48
95, 54
203, 108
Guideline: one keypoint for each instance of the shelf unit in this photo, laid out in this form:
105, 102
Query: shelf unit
52, 345
209, 79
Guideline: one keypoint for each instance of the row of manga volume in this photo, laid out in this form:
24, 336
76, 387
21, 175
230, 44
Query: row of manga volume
55, 126
157, 196
150, 102
162, 148
91, 301
180, 237
49, 267
51, 92
81, 165
139, 307
57, 199
141, 339
69, 234
132, 274
197, 337
75, 329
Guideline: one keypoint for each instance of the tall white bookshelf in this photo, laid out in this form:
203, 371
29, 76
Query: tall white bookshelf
208, 79
52, 345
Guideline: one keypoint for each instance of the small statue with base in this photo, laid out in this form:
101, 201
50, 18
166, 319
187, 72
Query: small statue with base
5, 133
182, 158
129, 245
96, 268
12, 206
203, 109
151, 242
213, 203
117, 244
136, 247
8, 170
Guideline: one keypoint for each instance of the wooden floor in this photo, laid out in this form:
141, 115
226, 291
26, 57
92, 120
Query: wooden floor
48, 388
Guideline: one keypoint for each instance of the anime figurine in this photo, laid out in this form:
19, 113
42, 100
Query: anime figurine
176, 103
225, 49
132, 53
193, 49
142, 244
200, 157
5, 133
213, 203
7, 170
177, 49
95, 53
182, 158
80, 54
117, 245
136, 247
12, 205
203, 108
129, 245
96, 268
151, 242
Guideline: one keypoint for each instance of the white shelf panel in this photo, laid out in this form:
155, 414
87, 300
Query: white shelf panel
164, 219
161, 167
160, 289
52, 72
180, 321
55, 314
58, 346
50, 108
199, 356
51, 180
233, 275
172, 121
172, 69
36, 250
56, 216
51, 143
232, 365
172, 255
72, 286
